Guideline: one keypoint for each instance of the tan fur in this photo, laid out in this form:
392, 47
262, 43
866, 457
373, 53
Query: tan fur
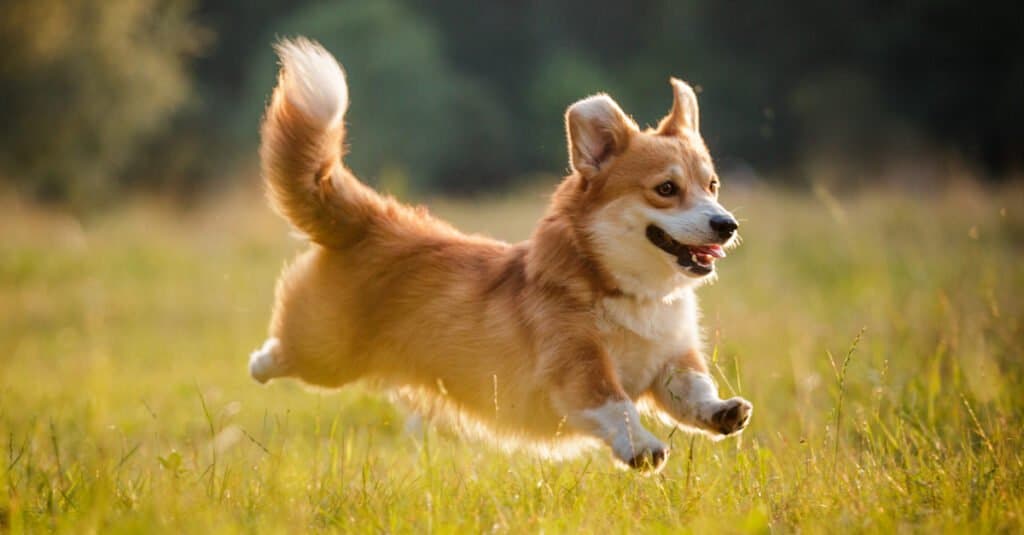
521, 340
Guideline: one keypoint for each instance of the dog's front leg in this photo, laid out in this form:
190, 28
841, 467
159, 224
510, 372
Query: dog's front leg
589, 396
687, 393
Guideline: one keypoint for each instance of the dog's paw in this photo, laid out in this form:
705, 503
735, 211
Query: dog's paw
644, 453
731, 417
650, 460
263, 363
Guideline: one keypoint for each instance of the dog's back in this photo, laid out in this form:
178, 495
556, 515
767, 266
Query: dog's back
375, 297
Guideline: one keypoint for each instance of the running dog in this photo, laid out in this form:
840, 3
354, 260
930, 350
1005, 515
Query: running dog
553, 342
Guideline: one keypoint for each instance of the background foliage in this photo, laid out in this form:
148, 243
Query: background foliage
84, 84
462, 96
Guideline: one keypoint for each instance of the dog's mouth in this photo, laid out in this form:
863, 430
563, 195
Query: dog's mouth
698, 259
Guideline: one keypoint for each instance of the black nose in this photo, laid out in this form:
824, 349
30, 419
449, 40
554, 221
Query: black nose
724, 225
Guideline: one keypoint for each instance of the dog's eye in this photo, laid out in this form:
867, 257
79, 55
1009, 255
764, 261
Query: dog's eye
667, 189
714, 186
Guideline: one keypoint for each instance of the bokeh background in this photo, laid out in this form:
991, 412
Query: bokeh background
462, 97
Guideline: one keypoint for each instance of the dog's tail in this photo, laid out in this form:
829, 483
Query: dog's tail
301, 148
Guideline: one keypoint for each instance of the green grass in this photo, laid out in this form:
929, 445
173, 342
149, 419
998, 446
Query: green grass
878, 335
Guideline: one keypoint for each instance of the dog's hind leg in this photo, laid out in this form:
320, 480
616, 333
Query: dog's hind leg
265, 363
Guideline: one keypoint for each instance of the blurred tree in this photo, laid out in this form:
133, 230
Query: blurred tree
461, 95
198, 151
563, 77
948, 71
83, 84
411, 113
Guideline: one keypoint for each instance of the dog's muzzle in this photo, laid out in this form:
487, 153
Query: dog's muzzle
698, 259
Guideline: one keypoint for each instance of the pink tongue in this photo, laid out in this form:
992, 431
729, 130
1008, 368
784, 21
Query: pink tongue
711, 250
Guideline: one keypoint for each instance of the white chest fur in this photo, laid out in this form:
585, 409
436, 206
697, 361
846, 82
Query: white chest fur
643, 335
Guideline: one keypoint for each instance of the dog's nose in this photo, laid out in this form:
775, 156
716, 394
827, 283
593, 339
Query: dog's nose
724, 225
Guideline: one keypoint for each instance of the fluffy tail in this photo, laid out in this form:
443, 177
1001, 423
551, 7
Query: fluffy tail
301, 148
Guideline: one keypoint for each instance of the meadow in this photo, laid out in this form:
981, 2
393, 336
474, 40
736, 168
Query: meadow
877, 332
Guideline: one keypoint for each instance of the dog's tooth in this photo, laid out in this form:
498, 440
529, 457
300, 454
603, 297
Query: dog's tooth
694, 258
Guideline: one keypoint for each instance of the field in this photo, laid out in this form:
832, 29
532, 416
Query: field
878, 334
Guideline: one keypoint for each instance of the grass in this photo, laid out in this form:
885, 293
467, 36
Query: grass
878, 335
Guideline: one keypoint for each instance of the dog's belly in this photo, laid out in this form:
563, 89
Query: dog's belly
642, 337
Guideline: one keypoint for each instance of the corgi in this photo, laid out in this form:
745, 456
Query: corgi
555, 343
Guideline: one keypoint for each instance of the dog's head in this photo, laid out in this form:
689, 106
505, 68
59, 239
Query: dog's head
647, 199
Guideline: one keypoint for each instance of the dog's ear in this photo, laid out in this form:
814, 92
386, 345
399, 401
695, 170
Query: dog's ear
597, 130
685, 114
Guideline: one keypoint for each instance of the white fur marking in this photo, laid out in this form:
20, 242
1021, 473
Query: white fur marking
313, 81
702, 394
640, 268
643, 335
263, 366
691, 226
618, 424
664, 321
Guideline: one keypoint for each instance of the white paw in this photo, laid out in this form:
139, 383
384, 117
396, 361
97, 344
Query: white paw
618, 423
643, 452
727, 417
263, 365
